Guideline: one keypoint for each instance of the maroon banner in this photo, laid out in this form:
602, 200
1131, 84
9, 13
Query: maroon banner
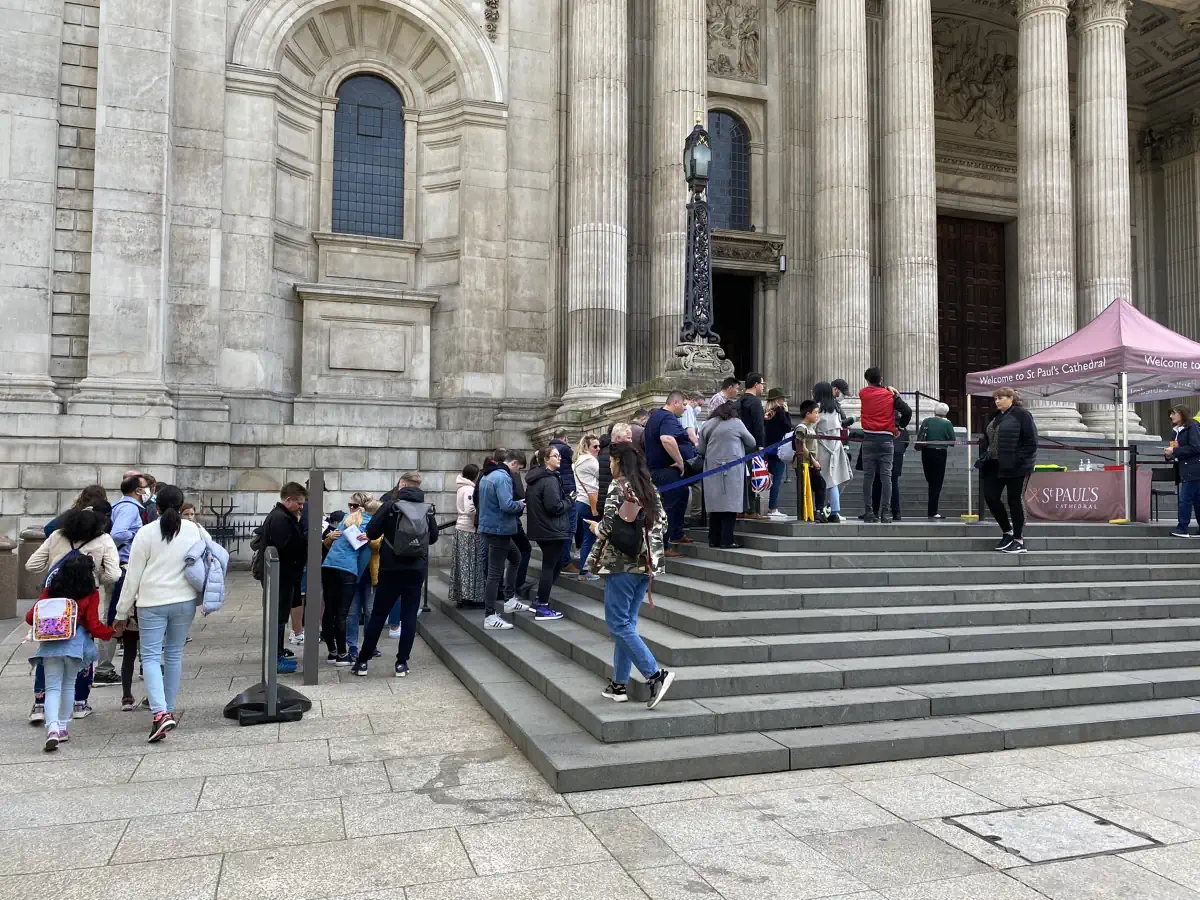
1085, 496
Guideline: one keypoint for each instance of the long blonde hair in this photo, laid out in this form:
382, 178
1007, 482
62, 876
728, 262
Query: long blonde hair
585, 442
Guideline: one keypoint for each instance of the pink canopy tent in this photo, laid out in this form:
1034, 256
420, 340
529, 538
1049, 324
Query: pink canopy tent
1119, 357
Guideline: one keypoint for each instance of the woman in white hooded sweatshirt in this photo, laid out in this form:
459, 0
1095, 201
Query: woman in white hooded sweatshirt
166, 603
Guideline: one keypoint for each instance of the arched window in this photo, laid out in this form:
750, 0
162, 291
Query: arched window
368, 158
729, 182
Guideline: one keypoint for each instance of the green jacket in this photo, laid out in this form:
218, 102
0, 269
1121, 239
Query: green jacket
935, 428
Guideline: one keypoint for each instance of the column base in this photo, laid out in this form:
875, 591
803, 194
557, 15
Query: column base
29, 394
589, 397
132, 397
1057, 418
1101, 418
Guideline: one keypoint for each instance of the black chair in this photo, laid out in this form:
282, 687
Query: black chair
1161, 475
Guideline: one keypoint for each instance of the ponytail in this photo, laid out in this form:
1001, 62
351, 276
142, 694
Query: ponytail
170, 499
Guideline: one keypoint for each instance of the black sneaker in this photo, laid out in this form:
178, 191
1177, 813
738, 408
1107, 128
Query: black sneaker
618, 693
834, 519
160, 726
285, 653
344, 661
401, 669
659, 684
1017, 546
886, 519
1004, 541
331, 658
104, 679
360, 669
870, 518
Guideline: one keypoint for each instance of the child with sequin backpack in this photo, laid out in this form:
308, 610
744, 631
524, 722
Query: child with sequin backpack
64, 622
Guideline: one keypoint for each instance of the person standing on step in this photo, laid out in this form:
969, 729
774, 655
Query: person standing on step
1007, 455
667, 451
879, 408
466, 567
690, 420
499, 516
831, 449
587, 497
1184, 451
807, 446
629, 550
723, 439
566, 473
899, 448
727, 393
778, 426
344, 564
282, 530
934, 439
750, 411
549, 523
406, 526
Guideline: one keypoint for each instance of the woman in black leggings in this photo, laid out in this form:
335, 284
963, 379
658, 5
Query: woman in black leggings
1007, 453
549, 512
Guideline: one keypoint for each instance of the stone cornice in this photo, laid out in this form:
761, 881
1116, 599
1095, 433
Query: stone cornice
1098, 12
1029, 7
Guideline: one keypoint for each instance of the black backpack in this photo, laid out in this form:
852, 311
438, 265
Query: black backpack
258, 550
410, 539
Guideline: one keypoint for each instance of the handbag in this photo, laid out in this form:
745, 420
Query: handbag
693, 466
628, 534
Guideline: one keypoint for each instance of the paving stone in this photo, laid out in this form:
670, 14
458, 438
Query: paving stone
194, 878
1017, 785
1139, 820
44, 775
326, 726
220, 831
59, 847
630, 841
95, 804
350, 866
442, 807
771, 870
894, 855
715, 821
899, 768
232, 760
1181, 806
619, 798
415, 743
961, 839
499, 763
1181, 764
188, 738
253, 789
994, 886
1180, 863
530, 844
1100, 878
922, 797
775, 781
675, 883
819, 810
1047, 833
1106, 776
591, 881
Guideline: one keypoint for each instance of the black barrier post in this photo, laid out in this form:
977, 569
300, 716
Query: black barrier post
1133, 492
269, 701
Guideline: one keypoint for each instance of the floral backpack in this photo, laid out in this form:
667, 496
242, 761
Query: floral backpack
55, 619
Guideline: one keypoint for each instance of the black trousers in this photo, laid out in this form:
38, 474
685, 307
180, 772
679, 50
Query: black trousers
404, 585
877, 487
994, 487
934, 464
339, 588
552, 564
289, 596
521, 542
720, 529
817, 481
129, 658
500, 549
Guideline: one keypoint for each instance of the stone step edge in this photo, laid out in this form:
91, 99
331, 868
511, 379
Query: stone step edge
572, 760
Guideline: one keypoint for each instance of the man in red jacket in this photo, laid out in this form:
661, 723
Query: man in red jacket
878, 420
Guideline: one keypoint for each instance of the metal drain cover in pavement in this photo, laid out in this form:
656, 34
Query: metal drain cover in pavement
1045, 833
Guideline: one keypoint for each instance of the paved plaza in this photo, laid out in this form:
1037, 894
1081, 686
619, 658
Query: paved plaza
407, 790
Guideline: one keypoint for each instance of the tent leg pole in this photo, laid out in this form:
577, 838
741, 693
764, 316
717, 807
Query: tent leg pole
970, 466
1125, 439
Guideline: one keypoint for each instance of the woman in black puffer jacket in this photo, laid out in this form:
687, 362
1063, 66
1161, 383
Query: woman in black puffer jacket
549, 513
1007, 453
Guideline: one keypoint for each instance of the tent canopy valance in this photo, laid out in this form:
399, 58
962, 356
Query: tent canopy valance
1085, 366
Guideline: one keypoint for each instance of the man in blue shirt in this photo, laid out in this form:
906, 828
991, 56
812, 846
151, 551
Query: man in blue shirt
128, 515
668, 448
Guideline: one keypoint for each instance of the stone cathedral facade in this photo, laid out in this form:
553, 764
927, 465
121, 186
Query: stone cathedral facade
243, 238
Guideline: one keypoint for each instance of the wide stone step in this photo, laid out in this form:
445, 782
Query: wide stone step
924, 528
828, 539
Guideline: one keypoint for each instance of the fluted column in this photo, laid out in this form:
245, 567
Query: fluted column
1105, 266
1045, 215
842, 330
910, 310
598, 235
680, 73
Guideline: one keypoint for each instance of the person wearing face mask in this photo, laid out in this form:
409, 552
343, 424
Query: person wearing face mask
128, 516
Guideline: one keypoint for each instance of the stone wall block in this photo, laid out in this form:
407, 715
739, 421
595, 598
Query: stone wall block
285, 457
364, 437
29, 450
45, 503
191, 455
10, 477
110, 452
242, 457
157, 453
53, 477
147, 427
194, 431
255, 434
411, 438
399, 460
216, 455
341, 457
315, 435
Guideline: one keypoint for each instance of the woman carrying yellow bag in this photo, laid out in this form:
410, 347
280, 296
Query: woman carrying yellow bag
808, 465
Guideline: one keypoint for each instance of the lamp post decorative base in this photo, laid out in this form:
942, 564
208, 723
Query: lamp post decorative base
700, 359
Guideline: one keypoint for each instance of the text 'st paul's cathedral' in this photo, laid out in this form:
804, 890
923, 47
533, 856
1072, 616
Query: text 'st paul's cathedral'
243, 238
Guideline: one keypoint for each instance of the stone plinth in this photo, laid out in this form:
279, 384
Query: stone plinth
29, 584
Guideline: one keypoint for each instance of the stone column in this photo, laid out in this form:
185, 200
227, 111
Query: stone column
680, 73
1105, 268
842, 330
910, 312
1045, 214
770, 322
598, 206
1180, 148
638, 364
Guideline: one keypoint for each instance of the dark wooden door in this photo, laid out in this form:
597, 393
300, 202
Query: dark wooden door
733, 320
971, 308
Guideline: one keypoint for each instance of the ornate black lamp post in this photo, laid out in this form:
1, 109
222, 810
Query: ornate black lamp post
699, 350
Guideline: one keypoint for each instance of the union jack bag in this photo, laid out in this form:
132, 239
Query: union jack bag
760, 475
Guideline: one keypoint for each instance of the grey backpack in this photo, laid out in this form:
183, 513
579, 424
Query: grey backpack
410, 540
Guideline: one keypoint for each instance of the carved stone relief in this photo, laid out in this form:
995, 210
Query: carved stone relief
975, 77
734, 35
491, 18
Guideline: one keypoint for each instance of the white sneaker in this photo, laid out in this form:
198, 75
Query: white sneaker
513, 605
777, 514
395, 632
495, 622
297, 637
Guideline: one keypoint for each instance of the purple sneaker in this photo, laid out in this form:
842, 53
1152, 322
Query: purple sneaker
545, 613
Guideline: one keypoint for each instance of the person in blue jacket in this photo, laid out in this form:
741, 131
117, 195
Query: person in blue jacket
1185, 452
499, 516
340, 572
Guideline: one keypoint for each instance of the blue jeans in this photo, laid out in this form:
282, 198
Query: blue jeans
674, 503
778, 469
164, 630
573, 515
360, 609
833, 496
583, 513
1189, 500
83, 683
623, 595
60, 702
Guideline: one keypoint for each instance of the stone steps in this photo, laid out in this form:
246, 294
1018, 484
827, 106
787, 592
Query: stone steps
957, 650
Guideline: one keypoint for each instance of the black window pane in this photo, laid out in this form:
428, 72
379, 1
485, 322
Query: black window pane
729, 182
368, 158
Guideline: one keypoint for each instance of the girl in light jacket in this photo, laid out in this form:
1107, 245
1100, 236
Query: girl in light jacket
466, 571
833, 456
587, 497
